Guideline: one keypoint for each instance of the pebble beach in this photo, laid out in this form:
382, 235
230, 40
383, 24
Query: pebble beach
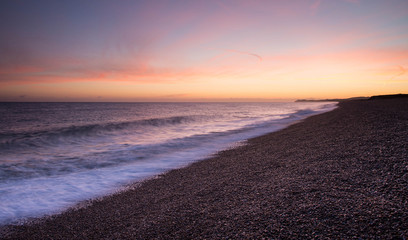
341, 174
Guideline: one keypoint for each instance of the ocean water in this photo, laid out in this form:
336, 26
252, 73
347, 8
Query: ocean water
54, 155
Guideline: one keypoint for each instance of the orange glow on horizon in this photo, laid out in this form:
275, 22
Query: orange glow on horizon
214, 51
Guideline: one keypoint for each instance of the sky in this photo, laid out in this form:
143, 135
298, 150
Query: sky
193, 50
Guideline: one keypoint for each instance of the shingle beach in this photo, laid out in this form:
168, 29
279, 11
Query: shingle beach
338, 175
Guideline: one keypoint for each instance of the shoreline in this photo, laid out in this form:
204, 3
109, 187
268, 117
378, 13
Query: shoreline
61, 192
341, 174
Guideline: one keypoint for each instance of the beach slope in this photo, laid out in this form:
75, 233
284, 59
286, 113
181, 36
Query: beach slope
340, 174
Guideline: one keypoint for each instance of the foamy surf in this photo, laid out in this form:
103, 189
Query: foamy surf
51, 161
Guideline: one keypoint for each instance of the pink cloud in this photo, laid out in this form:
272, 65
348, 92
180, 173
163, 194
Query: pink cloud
401, 71
226, 65
316, 5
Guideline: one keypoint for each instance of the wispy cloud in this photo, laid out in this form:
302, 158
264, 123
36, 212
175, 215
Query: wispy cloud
172, 47
225, 52
401, 71
316, 4
245, 53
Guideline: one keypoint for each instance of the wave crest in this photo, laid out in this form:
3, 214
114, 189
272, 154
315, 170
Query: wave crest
35, 138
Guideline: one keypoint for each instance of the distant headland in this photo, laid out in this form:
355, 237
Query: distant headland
390, 96
332, 99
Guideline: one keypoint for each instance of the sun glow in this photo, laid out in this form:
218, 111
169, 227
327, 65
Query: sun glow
203, 51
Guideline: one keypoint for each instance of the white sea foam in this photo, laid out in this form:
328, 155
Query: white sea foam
45, 170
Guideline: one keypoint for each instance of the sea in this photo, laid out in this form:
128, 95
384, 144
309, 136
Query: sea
54, 156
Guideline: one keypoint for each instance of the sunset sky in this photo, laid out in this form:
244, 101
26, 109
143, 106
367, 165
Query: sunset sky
206, 50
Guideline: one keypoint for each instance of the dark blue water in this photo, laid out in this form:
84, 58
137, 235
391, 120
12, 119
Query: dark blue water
54, 155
